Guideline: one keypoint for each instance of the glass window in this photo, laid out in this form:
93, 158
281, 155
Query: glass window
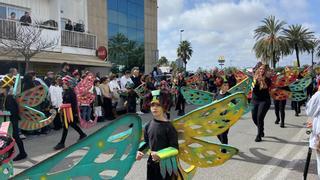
113, 4
123, 30
140, 36
140, 23
132, 21
122, 19
113, 29
19, 12
123, 6
132, 34
3, 12
132, 8
113, 16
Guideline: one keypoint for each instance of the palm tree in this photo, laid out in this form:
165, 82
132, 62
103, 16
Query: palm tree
117, 48
316, 43
270, 44
184, 51
299, 39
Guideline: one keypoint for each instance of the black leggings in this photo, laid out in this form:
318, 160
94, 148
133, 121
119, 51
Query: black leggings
224, 137
15, 134
180, 103
296, 106
259, 111
107, 107
65, 131
279, 108
153, 172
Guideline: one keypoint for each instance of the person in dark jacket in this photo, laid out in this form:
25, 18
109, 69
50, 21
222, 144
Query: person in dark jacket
260, 99
181, 102
11, 105
69, 97
26, 19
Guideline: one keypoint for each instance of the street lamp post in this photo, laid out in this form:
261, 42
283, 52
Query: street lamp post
181, 31
221, 61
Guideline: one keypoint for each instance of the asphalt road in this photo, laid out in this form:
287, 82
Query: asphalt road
281, 154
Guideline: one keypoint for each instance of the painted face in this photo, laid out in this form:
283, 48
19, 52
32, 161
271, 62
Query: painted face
225, 87
156, 110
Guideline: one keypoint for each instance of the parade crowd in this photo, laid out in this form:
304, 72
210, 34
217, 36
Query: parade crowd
132, 92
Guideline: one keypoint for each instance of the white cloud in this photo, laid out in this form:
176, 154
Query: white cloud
216, 27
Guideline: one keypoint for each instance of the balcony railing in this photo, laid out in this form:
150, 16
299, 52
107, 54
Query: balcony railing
78, 39
8, 29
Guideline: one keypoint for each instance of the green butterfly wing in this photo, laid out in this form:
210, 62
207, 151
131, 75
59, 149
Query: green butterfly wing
196, 97
208, 121
244, 86
300, 85
108, 141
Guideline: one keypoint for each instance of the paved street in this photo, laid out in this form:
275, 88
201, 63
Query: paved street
281, 155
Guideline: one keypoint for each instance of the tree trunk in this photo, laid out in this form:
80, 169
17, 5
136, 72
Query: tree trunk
312, 52
297, 54
274, 60
27, 61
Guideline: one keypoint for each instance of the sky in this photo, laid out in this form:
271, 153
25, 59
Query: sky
226, 28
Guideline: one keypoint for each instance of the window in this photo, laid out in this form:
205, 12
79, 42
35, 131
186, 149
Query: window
123, 6
132, 21
113, 4
113, 29
132, 34
3, 12
122, 19
140, 36
19, 12
132, 9
113, 16
123, 30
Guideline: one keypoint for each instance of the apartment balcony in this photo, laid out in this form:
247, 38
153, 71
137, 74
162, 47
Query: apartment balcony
78, 40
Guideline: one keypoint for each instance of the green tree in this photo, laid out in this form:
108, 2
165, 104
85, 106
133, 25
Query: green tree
185, 51
299, 39
128, 53
315, 48
163, 61
270, 42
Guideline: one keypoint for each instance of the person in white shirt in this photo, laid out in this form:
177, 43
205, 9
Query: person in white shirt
125, 79
55, 94
313, 111
114, 89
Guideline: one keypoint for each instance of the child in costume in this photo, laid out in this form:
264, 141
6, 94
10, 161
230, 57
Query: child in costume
159, 134
9, 103
69, 97
165, 97
222, 93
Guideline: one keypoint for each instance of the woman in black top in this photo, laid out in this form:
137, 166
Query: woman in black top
180, 106
260, 99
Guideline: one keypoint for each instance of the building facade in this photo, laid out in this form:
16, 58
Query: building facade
95, 23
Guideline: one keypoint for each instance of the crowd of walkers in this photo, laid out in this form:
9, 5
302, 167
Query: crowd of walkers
117, 90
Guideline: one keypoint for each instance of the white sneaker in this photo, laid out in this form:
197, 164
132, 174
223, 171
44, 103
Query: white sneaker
22, 136
139, 112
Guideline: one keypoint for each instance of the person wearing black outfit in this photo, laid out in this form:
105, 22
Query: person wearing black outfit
159, 134
260, 100
65, 70
296, 105
69, 26
180, 106
69, 97
26, 19
131, 98
9, 103
279, 108
223, 92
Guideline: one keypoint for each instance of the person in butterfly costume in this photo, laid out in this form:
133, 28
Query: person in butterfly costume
210, 120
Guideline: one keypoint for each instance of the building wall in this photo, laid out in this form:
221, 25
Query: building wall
97, 21
151, 34
40, 10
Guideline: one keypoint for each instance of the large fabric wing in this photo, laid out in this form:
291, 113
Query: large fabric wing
300, 85
299, 96
283, 80
280, 94
212, 119
204, 154
121, 153
193, 79
34, 96
240, 76
32, 119
84, 96
244, 86
196, 97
